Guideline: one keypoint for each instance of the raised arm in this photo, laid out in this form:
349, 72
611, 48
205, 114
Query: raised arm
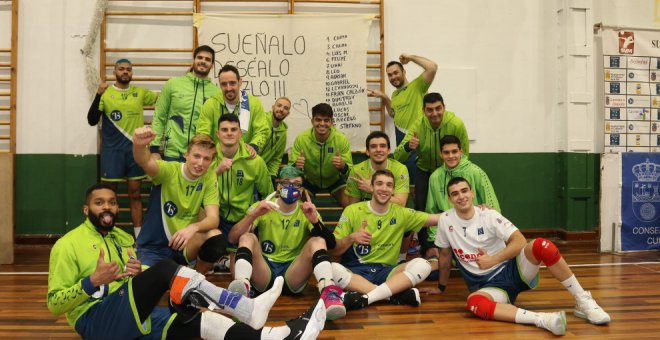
429, 66
141, 139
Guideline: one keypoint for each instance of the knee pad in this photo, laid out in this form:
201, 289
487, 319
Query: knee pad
243, 253
545, 251
319, 256
417, 270
341, 275
213, 249
481, 306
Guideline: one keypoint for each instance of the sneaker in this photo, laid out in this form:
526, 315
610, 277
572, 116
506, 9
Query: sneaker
309, 324
554, 322
222, 265
355, 300
190, 306
240, 286
587, 308
334, 307
407, 297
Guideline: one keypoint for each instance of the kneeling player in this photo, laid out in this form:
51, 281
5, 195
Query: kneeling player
284, 246
497, 264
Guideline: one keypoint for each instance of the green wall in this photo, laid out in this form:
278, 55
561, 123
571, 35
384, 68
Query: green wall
548, 191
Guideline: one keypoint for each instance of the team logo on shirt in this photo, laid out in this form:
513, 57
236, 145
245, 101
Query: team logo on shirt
362, 249
296, 223
393, 221
331, 149
115, 115
239, 177
267, 247
200, 186
135, 94
170, 209
480, 231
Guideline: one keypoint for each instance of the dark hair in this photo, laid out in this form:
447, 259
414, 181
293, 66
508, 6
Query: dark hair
433, 97
457, 180
204, 48
378, 134
229, 117
394, 62
383, 172
97, 186
450, 139
322, 109
229, 68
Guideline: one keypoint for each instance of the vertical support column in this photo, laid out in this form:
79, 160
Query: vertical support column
576, 117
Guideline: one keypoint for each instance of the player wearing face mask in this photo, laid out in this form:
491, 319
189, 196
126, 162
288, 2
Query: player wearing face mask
292, 242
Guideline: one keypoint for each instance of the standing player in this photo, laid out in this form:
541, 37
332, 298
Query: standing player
286, 245
497, 264
239, 175
179, 104
233, 100
368, 239
171, 227
94, 280
324, 155
122, 108
273, 151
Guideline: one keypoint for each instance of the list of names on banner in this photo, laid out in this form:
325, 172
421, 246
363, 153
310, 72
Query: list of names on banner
632, 103
339, 91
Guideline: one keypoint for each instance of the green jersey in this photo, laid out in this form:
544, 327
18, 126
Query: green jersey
428, 151
273, 151
177, 111
237, 185
179, 200
386, 230
73, 260
123, 113
253, 120
364, 170
407, 103
318, 169
282, 235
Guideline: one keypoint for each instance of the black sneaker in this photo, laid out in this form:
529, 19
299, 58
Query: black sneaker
189, 308
309, 324
355, 300
407, 297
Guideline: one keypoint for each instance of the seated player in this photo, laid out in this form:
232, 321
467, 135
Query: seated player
323, 153
368, 238
96, 282
289, 244
497, 264
171, 226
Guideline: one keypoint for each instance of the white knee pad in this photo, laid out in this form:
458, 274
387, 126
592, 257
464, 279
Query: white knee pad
417, 270
341, 275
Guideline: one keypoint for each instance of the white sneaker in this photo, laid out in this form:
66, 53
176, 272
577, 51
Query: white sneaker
554, 322
240, 286
587, 308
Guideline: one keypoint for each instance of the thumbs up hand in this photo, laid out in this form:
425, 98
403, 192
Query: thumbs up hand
413, 143
337, 162
300, 161
362, 236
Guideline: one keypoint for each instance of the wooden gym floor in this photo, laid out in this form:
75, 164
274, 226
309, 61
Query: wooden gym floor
627, 286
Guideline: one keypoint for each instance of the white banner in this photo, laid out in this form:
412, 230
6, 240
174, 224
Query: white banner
631, 71
310, 59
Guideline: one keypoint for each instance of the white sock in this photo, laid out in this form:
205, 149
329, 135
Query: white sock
573, 286
323, 274
214, 326
381, 292
242, 269
402, 257
526, 317
275, 333
136, 231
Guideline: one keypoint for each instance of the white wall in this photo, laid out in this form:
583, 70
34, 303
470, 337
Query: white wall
498, 66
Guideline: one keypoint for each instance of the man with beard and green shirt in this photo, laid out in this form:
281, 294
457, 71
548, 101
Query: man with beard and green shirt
121, 106
455, 165
232, 100
324, 155
179, 104
424, 137
239, 175
273, 152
